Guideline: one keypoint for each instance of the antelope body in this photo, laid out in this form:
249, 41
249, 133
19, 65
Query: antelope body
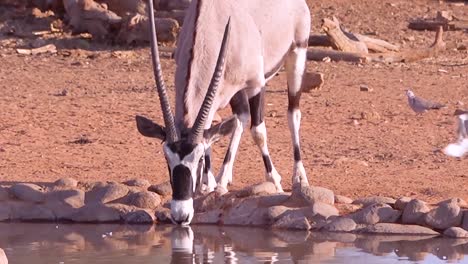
263, 36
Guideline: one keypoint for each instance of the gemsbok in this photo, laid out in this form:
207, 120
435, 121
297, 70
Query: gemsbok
226, 52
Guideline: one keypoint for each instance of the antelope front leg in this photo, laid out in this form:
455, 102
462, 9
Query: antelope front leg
208, 177
240, 107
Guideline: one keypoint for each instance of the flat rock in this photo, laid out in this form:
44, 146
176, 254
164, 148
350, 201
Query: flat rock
163, 215
246, 212
273, 199
96, 213
275, 212
456, 232
324, 210
144, 199
366, 201
138, 183
31, 212
289, 222
312, 194
66, 182
4, 194
73, 197
163, 189
210, 217
376, 213
28, 192
459, 201
389, 228
414, 212
401, 202
104, 193
62, 211
465, 220
3, 257
340, 224
139, 217
208, 202
5, 212
445, 215
343, 199
263, 188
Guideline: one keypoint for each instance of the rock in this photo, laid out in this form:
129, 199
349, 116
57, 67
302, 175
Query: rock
31, 212
274, 199
459, 201
246, 212
465, 220
163, 189
163, 215
28, 192
345, 209
324, 210
456, 232
414, 212
96, 213
104, 193
4, 194
210, 217
445, 215
312, 194
376, 213
343, 199
288, 222
73, 197
5, 211
258, 189
340, 224
138, 217
366, 201
144, 199
66, 182
401, 202
138, 183
62, 211
275, 212
3, 257
208, 202
388, 228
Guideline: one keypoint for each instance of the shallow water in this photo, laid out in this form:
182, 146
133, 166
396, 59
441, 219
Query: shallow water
78, 243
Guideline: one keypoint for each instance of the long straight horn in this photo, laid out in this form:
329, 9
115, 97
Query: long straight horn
171, 133
199, 125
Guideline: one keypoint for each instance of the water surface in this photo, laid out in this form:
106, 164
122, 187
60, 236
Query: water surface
104, 243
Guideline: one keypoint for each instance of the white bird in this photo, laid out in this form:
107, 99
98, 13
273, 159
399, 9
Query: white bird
460, 148
420, 105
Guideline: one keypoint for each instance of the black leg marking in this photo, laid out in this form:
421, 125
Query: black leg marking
267, 162
257, 108
227, 158
293, 101
207, 163
297, 153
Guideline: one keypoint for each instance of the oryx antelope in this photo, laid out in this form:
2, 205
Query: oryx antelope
263, 36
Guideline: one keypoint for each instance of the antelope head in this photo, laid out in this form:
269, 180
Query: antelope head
185, 150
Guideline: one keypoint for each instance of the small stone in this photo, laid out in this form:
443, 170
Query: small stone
163, 189
66, 182
138, 217
4, 194
96, 213
163, 215
28, 192
3, 257
258, 189
104, 193
376, 213
210, 217
365, 88
343, 199
144, 199
388, 228
456, 232
402, 202
138, 183
445, 215
366, 201
340, 224
312, 194
324, 210
414, 212
288, 222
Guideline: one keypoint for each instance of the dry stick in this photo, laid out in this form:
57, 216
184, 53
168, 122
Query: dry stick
373, 44
341, 40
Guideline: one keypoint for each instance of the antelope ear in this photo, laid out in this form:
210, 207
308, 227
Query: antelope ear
224, 128
148, 128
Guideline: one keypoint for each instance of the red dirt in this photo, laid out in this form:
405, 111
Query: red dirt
391, 152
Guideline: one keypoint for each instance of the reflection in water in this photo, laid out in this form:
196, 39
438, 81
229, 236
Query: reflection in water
76, 243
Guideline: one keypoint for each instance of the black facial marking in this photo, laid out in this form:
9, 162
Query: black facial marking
182, 184
207, 164
293, 101
257, 106
182, 148
297, 153
267, 162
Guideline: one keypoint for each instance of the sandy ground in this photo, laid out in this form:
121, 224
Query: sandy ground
388, 150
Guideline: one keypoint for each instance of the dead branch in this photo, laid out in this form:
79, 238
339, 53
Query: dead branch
376, 45
443, 19
339, 38
317, 54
